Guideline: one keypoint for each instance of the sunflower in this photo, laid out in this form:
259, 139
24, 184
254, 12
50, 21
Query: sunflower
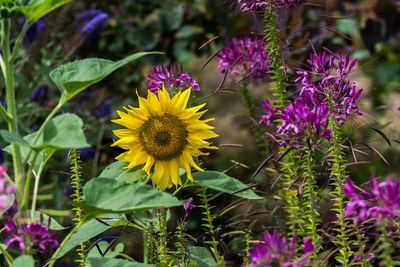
165, 134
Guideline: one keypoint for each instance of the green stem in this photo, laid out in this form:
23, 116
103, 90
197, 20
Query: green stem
11, 105
162, 227
41, 129
18, 42
36, 189
68, 237
7, 256
28, 182
5, 114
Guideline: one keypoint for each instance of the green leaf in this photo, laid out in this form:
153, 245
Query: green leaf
111, 253
13, 138
117, 171
76, 76
9, 203
202, 256
44, 154
64, 132
38, 8
224, 183
109, 262
54, 225
89, 230
109, 195
23, 261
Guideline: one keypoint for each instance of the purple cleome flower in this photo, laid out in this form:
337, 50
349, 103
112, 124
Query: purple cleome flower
256, 6
328, 79
244, 57
188, 207
30, 235
383, 201
172, 78
304, 118
5, 190
276, 252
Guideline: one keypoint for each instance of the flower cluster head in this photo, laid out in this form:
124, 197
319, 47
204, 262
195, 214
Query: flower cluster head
328, 80
257, 6
5, 190
26, 235
172, 78
383, 200
276, 252
244, 58
303, 119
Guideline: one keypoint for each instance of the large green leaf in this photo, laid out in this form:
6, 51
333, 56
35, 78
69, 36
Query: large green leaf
117, 171
109, 262
75, 76
54, 225
224, 183
38, 8
202, 256
89, 230
23, 261
109, 195
63, 132
13, 138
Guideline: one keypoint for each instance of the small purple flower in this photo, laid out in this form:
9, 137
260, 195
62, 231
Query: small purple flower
328, 80
94, 26
188, 207
103, 110
24, 235
41, 94
276, 251
257, 6
245, 58
383, 201
33, 32
172, 78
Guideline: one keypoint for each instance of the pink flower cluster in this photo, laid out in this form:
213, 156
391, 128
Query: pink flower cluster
276, 252
383, 200
244, 58
172, 78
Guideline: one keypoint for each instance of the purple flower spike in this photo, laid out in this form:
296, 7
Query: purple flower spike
94, 25
257, 6
30, 235
275, 250
172, 78
383, 201
330, 77
41, 94
304, 118
188, 207
244, 58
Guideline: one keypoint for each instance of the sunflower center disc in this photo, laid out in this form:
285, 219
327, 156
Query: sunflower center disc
163, 136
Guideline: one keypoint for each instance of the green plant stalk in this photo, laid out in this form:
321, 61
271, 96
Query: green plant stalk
385, 248
179, 233
11, 106
209, 224
162, 228
28, 182
18, 42
311, 215
256, 128
36, 189
64, 242
361, 243
77, 198
338, 178
148, 244
7, 256
276, 66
